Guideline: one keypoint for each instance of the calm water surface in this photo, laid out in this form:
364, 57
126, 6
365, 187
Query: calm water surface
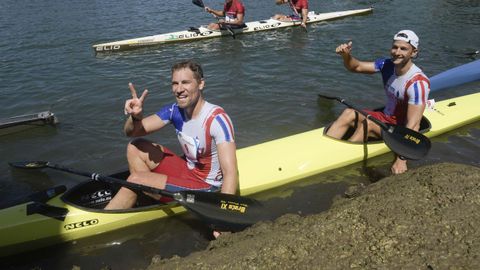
268, 82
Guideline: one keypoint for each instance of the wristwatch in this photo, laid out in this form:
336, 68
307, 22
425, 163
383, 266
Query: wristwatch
134, 118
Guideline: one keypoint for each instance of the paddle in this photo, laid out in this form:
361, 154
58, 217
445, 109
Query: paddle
221, 211
296, 12
456, 76
199, 3
405, 142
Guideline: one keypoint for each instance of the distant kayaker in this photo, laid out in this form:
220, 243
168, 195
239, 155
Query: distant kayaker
299, 8
205, 133
233, 12
406, 88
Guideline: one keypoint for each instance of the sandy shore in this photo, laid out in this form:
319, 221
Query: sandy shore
427, 218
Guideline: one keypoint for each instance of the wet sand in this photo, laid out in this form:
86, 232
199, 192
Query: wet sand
427, 218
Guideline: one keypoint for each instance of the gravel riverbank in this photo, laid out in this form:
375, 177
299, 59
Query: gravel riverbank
427, 218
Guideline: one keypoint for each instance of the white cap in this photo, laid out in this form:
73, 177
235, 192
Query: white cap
407, 36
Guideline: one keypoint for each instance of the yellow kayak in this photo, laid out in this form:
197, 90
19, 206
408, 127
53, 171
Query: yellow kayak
291, 158
56, 215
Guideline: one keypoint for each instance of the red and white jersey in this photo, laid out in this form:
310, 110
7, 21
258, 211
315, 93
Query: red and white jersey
300, 4
199, 138
412, 87
232, 9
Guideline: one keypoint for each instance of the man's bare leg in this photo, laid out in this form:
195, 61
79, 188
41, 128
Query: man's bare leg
343, 123
143, 156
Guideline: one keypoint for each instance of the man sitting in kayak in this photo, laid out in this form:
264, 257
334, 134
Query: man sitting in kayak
300, 9
406, 88
233, 12
205, 133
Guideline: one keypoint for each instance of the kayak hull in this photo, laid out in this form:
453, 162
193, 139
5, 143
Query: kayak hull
203, 32
23, 122
41, 222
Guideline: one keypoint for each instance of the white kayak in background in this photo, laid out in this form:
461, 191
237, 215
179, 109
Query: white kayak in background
203, 32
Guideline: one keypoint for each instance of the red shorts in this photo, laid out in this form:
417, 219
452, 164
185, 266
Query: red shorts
179, 177
390, 119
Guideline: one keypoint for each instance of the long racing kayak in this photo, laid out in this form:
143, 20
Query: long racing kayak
59, 215
203, 32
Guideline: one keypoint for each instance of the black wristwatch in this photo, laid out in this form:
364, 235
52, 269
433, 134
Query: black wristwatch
134, 119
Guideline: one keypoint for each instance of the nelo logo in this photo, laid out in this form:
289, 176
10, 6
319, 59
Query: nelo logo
81, 224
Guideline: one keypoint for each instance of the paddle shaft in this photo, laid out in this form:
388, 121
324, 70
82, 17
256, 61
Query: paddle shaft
368, 116
221, 211
112, 180
405, 142
295, 11
293, 7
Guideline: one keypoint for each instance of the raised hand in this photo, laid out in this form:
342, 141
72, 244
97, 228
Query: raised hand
134, 106
345, 48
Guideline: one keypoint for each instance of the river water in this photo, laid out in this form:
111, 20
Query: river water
268, 83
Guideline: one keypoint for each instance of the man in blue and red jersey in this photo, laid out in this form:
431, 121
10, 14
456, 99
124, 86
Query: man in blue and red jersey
299, 8
233, 13
205, 133
406, 88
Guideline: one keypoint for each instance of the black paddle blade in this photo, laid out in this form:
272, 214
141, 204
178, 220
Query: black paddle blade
406, 142
329, 97
29, 164
224, 212
198, 3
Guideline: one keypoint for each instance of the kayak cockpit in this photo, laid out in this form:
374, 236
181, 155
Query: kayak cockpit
94, 195
425, 126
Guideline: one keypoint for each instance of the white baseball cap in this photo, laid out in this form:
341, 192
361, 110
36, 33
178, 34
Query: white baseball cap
407, 36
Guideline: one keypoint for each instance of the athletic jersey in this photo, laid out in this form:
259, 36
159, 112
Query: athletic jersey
300, 4
412, 87
232, 9
199, 138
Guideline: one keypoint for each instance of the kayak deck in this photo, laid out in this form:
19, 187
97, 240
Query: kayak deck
52, 216
203, 32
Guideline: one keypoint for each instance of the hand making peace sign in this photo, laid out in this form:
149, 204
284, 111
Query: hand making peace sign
134, 106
